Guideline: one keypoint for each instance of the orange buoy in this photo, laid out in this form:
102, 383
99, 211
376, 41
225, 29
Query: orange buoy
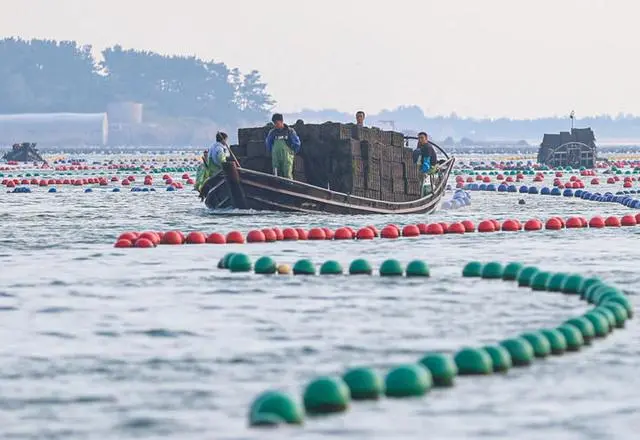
216, 238
468, 226
123, 243
143, 243
574, 222
172, 237
596, 222
510, 225
196, 237
389, 231
342, 234
612, 221
255, 236
365, 234
628, 220
235, 237
302, 234
410, 231
317, 234
290, 234
553, 224
533, 225
435, 229
456, 228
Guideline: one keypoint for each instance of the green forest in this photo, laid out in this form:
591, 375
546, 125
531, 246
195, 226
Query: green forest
39, 76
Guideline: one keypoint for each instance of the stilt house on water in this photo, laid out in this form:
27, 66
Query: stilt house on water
576, 149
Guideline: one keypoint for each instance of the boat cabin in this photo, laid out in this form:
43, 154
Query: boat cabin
576, 148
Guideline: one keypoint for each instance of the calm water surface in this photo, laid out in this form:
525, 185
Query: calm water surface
103, 343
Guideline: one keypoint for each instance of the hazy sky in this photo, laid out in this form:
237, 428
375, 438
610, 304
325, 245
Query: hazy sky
516, 58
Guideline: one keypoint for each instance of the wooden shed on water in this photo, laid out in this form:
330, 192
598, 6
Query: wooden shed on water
576, 148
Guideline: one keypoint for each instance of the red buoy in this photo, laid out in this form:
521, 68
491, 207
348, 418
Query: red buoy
143, 243
123, 243
533, 225
317, 234
389, 231
131, 236
468, 226
172, 237
353, 232
216, 238
553, 224
444, 225
151, 236
257, 236
612, 221
269, 235
637, 218
235, 237
279, 235
435, 229
422, 227
376, 233
486, 226
328, 233
595, 181
290, 234
496, 224
510, 225
302, 234
342, 234
574, 222
410, 231
365, 234
628, 220
456, 228
596, 222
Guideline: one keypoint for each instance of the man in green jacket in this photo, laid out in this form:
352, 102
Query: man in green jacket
283, 143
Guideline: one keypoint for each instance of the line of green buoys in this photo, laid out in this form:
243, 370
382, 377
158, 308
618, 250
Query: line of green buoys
325, 395
238, 262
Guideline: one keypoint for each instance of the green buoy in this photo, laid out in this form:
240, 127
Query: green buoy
586, 328
407, 381
586, 284
240, 263
573, 284
492, 271
473, 361
363, 383
520, 350
609, 316
472, 269
540, 344
226, 259
390, 268
304, 267
511, 271
417, 268
572, 335
265, 265
601, 295
599, 322
526, 275
556, 340
326, 395
623, 301
331, 267
360, 267
589, 291
540, 280
266, 419
618, 311
442, 367
556, 282
272, 405
500, 357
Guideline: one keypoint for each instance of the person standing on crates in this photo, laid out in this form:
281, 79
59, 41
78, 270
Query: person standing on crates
427, 160
283, 143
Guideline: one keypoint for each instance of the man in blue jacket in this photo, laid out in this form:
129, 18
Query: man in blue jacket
283, 143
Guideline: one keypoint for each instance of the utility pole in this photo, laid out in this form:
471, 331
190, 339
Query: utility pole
572, 116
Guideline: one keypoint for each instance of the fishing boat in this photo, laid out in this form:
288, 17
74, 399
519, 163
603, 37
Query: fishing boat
246, 189
25, 152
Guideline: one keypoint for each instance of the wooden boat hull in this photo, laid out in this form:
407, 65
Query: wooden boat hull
241, 188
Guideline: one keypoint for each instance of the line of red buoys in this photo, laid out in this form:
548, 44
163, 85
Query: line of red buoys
152, 239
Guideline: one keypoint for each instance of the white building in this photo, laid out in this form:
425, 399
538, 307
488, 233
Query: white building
59, 129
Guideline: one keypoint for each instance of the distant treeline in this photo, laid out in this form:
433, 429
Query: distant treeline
412, 118
40, 76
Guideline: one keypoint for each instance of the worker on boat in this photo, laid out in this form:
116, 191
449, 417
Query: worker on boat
283, 143
213, 160
427, 160
360, 118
